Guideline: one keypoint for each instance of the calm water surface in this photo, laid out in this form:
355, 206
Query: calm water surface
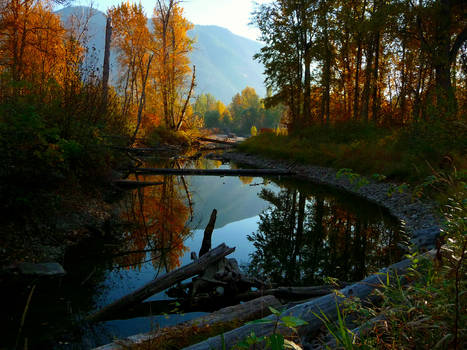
283, 231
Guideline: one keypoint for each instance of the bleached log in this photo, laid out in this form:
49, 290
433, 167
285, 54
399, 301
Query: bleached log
310, 311
248, 311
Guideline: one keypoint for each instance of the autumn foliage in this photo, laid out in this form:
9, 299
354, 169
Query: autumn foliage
156, 81
391, 62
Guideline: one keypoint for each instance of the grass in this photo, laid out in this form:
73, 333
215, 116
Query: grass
410, 154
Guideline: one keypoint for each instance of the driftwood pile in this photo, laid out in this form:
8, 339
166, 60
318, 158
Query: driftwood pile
217, 283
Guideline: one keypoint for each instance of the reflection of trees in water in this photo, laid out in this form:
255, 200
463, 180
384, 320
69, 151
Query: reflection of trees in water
159, 214
302, 238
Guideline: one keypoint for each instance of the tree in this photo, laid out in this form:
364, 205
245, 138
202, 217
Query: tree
442, 26
133, 41
286, 30
32, 41
171, 48
369, 60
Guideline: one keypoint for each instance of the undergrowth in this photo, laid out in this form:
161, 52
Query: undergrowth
430, 311
409, 154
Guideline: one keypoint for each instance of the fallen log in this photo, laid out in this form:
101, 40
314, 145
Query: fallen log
163, 282
128, 184
160, 148
213, 172
215, 140
309, 311
290, 292
239, 314
206, 245
150, 308
211, 147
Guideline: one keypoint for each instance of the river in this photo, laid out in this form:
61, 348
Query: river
284, 231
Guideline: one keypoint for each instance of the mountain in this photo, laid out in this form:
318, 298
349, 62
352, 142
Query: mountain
224, 61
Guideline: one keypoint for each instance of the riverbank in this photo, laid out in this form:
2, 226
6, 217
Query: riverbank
418, 217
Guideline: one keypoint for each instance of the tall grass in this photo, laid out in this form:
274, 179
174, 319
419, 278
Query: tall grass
407, 154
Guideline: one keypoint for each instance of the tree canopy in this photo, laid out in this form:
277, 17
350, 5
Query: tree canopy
385, 61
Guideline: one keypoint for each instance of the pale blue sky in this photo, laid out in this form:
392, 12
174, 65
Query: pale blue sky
231, 14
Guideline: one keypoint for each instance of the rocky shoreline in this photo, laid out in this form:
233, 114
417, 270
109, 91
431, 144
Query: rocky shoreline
418, 218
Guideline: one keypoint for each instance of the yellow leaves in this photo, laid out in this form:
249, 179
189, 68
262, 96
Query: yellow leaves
172, 70
220, 107
167, 44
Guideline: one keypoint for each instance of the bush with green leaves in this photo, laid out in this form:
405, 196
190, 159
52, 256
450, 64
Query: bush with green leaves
275, 341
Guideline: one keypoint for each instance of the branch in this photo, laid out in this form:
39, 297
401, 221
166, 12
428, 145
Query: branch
460, 39
192, 86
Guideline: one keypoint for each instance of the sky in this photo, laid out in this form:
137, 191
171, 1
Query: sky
231, 14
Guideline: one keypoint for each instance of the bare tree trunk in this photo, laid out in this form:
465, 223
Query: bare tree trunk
142, 100
307, 83
192, 86
106, 67
375, 107
366, 87
206, 245
357, 68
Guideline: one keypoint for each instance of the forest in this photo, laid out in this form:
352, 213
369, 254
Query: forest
373, 89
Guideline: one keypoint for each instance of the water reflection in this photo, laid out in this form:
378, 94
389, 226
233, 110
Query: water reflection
159, 215
306, 234
300, 234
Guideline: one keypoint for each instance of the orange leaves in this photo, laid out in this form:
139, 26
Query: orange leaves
32, 41
158, 57
171, 48
160, 214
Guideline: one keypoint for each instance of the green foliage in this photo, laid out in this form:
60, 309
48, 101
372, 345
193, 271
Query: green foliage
51, 143
245, 111
275, 341
338, 330
253, 131
356, 179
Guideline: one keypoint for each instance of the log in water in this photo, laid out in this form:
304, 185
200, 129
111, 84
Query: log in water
163, 282
212, 172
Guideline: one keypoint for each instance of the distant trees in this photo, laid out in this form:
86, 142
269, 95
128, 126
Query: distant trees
245, 111
384, 61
